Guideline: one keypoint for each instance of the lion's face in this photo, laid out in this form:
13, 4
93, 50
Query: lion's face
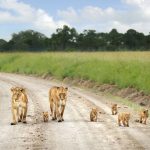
63, 93
114, 106
16, 93
146, 112
127, 116
94, 111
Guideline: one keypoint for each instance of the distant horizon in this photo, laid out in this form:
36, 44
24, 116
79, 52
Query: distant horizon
100, 15
71, 27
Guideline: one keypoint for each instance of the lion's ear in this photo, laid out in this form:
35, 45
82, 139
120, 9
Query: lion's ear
12, 89
146, 111
22, 89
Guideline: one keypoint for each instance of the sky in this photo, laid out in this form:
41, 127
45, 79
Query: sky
46, 16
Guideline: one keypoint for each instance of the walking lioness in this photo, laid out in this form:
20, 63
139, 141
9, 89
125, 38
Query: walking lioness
19, 105
57, 99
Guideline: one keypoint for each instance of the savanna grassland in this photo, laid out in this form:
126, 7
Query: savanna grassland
121, 68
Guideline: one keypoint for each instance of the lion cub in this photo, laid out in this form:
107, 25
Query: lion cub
45, 116
143, 115
93, 114
124, 118
114, 109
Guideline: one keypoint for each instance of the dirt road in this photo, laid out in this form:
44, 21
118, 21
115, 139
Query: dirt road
75, 133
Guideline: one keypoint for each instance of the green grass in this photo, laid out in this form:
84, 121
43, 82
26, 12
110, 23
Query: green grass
126, 102
122, 68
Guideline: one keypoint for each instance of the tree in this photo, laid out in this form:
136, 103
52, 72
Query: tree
147, 40
88, 40
64, 38
102, 41
134, 40
28, 40
67, 38
114, 40
3, 45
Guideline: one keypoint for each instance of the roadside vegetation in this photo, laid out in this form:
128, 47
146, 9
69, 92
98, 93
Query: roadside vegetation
125, 69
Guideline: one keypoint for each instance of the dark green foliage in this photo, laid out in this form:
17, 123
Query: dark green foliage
67, 39
3, 45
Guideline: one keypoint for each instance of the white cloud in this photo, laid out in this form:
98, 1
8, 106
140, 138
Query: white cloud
15, 11
134, 2
87, 14
45, 22
5, 17
137, 17
96, 14
19, 11
70, 14
142, 5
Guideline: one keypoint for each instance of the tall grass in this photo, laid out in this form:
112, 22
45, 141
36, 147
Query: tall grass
121, 68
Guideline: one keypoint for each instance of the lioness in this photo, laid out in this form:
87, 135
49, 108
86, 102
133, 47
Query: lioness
45, 116
19, 105
143, 115
93, 114
124, 118
57, 99
114, 109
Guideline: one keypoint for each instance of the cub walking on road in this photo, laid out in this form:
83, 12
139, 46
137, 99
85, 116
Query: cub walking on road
114, 109
19, 105
93, 115
124, 118
57, 99
143, 115
45, 116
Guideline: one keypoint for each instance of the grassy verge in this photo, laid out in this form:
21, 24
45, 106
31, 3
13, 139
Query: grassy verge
136, 107
121, 68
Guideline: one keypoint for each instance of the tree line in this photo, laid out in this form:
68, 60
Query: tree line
68, 39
